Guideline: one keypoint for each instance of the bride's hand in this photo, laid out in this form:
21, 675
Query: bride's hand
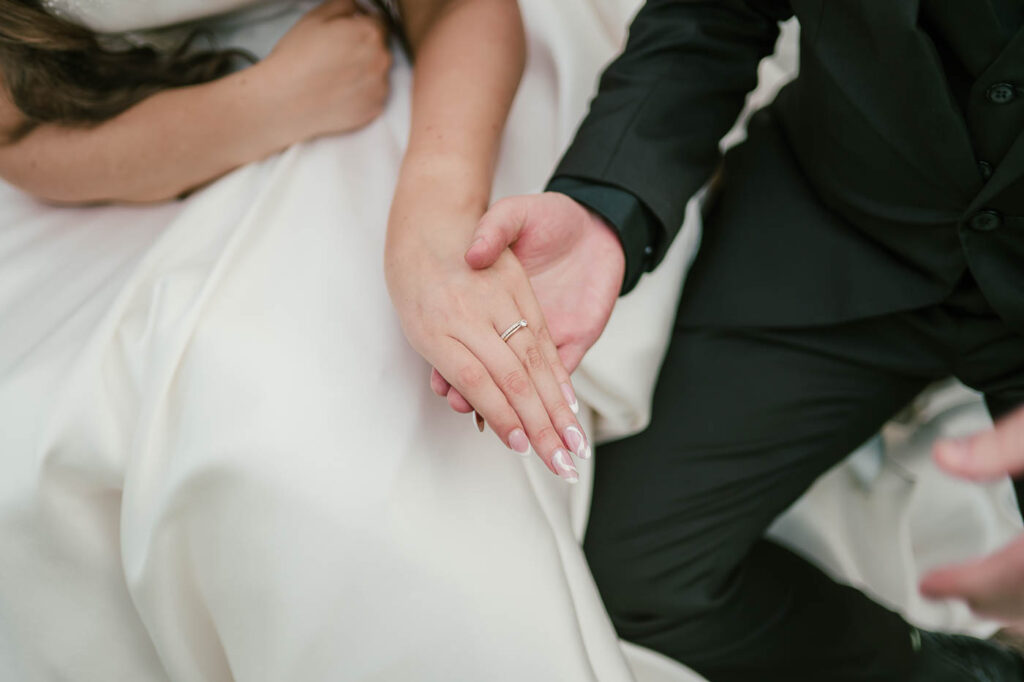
454, 316
329, 72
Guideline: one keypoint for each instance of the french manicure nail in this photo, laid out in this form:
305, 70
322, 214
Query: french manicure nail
570, 397
563, 465
577, 442
518, 441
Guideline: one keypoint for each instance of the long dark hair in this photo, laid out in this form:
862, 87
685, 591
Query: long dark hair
58, 72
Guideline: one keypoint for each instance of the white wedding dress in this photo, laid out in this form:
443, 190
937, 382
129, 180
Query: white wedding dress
219, 460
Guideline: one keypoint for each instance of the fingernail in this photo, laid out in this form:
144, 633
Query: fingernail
577, 442
563, 465
476, 242
570, 397
479, 421
955, 450
518, 441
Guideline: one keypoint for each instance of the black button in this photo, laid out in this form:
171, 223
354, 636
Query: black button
985, 169
986, 221
1001, 93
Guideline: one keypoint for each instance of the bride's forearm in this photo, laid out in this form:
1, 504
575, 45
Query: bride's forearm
167, 144
469, 57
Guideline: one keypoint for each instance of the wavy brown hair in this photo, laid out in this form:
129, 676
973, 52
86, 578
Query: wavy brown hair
55, 71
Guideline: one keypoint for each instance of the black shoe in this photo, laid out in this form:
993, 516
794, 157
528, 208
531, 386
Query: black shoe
958, 658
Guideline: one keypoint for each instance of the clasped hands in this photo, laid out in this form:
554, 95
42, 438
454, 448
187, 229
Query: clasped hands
551, 261
541, 258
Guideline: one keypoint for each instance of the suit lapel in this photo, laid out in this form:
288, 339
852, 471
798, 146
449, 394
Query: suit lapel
972, 30
908, 82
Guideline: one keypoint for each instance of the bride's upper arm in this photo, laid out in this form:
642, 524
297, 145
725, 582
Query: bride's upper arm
419, 15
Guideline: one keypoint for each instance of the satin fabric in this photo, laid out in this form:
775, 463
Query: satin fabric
219, 459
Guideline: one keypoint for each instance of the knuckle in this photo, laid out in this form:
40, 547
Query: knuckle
515, 383
471, 376
369, 33
535, 359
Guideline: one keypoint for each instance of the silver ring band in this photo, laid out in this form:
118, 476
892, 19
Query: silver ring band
512, 330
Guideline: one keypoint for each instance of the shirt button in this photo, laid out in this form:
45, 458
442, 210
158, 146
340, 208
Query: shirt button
648, 250
985, 169
986, 221
1001, 93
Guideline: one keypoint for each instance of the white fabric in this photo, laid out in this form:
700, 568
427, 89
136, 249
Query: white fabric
220, 461
118, 16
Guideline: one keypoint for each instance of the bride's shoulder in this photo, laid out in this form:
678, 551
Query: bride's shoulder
121, 16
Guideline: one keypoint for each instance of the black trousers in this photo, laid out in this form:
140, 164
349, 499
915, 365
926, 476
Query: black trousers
744, 421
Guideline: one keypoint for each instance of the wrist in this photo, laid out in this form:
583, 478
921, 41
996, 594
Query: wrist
278, 110
420, 231
605, 233
621, 213
448, 183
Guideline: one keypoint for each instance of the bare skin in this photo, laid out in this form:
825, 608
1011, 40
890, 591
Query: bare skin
329, 75
992, 586
454, 314
180, 139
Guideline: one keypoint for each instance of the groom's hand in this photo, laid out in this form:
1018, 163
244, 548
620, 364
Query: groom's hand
573, 258
994, 585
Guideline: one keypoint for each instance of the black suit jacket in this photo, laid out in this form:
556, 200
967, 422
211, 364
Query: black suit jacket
872, 184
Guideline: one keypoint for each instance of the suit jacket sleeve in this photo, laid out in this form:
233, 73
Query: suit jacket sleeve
663, 106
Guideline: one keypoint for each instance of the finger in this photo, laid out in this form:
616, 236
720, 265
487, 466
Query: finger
514, 381
461, 369
986, 455
572, 354
527, 348
368, 28
332, 9
497, 230
377, 28
458, 403
437, 383
531, 310
992, 586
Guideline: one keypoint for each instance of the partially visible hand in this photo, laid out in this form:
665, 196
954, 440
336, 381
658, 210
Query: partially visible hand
986, 455
454, 317
573, 258
993, 586
329, 73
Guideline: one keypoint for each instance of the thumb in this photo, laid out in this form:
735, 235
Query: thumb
498, 229
991, 586
571, 355
986, 455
